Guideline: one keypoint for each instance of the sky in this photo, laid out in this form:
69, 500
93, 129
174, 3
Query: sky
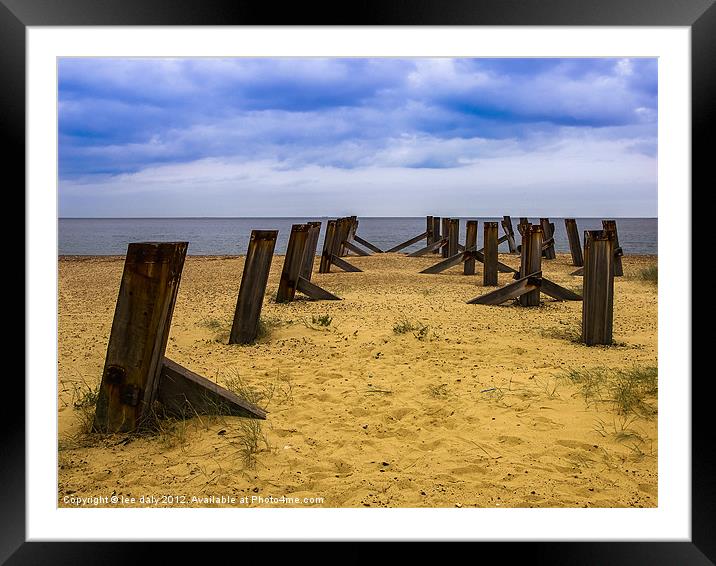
371, 137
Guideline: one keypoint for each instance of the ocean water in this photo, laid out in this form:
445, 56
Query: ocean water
230, 236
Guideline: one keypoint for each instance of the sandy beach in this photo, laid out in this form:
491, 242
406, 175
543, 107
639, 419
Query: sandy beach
400, 395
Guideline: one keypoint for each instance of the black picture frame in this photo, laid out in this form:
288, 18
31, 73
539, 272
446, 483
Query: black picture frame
698, 15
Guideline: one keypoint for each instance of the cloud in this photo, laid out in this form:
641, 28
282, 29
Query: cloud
318, 122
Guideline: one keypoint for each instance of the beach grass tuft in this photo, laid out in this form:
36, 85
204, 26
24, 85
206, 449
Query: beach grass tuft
84, 401
403, 326
249, 440
265, 328
630, 391
438, 391
418, 329
278, 391
650, 274
220, 328
84, 395
571, 333
322, 320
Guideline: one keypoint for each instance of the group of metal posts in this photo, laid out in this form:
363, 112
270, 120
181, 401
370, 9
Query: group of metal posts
136, 373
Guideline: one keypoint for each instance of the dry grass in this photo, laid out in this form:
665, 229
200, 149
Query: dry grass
278, 391
250, 438
418, 329
569, 332
84, 401
650, 274
438, 391
322, 320
265, 328
630, 392
222, 328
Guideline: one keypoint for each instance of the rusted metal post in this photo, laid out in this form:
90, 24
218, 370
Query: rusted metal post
575, 246
470, 244
510, 233
292, 263
611, 225
138, 339
548, 231
531, 261
489, 274
328, 237
342, 229
314, 231
522, 226
598, 287
253, 286
453, 236
445, 231
436, 231
354, 227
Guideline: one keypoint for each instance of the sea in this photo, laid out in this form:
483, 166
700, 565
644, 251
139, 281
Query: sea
230, 236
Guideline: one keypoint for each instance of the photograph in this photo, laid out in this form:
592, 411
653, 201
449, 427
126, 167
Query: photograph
416, 273
357, 282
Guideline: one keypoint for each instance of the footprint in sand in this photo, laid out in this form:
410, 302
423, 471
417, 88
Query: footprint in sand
284, 431
323, 397
511, 440
404, 432
569, 470
576, 444
544, 423
429, 446
398, 414
468, 470
343, 468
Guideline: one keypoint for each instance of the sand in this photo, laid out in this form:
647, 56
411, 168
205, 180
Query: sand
471, 411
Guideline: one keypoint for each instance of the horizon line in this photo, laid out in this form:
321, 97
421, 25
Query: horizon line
325, 216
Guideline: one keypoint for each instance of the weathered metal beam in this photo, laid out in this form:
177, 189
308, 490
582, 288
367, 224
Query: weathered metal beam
355, 249
427, 249
344, 265
470, 243
184, 393
367, 244
408, 243
138, 339
489, 273
315, 292
598, 287
253, 286
531, 261
514, 290
575, 246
